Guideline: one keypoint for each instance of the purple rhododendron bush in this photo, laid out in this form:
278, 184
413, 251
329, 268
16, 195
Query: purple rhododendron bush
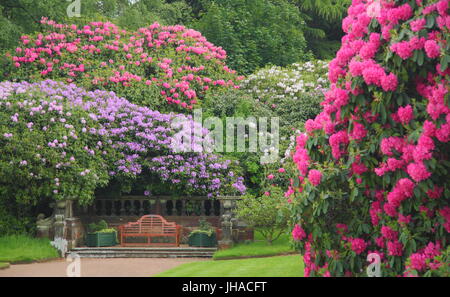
59, 141
164, 68
372, 169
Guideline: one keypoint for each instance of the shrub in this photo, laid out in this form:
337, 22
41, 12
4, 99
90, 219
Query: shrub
45, 151
293, 93
273, 84
68, 142
98, 227
164, 68
204, 227
15, 218
372, 170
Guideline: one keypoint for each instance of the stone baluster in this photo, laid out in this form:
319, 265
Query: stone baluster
141, 207
222, 209
121, 207
202, 207
99, 208
184, 210
163, 206
132, 208
93, 209
151, 206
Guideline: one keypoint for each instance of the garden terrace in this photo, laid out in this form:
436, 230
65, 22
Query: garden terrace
185, 211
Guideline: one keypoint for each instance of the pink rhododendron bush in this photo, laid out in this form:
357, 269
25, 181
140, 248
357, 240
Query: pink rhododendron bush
164, 68
372, 169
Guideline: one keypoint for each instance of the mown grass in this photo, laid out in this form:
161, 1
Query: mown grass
4, 265
22, 249
257, 248
279, 266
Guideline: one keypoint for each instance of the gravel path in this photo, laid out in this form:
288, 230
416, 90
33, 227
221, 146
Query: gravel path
142, 267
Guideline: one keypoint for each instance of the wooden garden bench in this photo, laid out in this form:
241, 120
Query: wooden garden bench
150, 226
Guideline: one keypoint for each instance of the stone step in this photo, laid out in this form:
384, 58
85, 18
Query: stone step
119, 252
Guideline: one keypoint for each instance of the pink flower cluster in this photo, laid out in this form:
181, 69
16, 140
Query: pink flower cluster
298, 233
358, 245
315, 177
425, 258
101, 54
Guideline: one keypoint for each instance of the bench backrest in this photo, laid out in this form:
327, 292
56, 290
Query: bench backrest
151, 224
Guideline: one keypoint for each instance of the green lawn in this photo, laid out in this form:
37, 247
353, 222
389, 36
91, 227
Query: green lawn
21, 248
257, 248
4, 265
280, 266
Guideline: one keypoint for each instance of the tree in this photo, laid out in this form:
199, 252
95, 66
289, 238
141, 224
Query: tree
255, 32
323, 19
268, 213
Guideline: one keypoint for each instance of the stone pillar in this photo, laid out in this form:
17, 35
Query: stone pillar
60, 224
226, 240
228, 222
74, 233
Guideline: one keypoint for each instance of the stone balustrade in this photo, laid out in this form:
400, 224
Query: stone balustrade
164, 206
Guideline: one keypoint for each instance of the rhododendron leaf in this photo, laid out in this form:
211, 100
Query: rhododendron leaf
417, 192
360, 99
354, 194
420, 58
383, 114
431, 20
445, 60
414, 136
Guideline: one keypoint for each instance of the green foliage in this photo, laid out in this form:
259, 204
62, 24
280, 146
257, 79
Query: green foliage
323, 18
204, 227
267, 213
22, 248
145, 12
101, 226
255, 32
330, 10
15, 218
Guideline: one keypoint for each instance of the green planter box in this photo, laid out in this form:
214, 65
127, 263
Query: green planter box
101, 239
202, 240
